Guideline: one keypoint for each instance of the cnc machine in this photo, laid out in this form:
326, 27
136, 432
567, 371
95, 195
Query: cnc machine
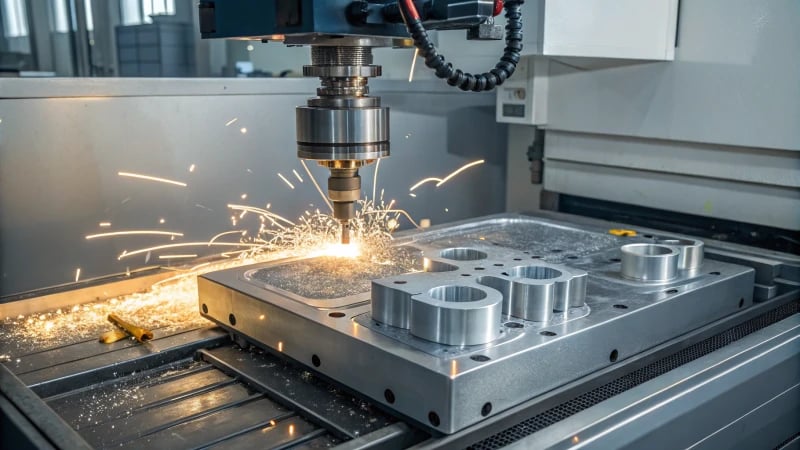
585, 324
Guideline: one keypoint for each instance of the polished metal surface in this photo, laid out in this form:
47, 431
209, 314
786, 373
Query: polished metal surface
649, 262
445, 304
448, 387
317, 126
691, 252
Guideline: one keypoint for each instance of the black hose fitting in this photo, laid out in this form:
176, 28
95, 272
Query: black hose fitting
467, 81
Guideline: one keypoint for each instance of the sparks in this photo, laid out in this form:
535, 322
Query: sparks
77, 274
177, 256
231, 122
289, 183
183, 244
423, 181
316, 185
459, 170
411, 194
243, 130
441, 181
375, 178
134, 232
338, 250
104, 224
162, 220
225, 233
297, 175
191, 168
151, 178
413, 65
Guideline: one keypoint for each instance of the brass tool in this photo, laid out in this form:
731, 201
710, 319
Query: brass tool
113, 336
141, 334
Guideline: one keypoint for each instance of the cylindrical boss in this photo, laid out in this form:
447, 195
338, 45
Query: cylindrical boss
649, 262
346, 133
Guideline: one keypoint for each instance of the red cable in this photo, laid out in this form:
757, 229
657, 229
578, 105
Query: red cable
498, 7
412, 9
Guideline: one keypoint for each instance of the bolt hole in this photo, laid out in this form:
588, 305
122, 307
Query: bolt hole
647, 236
487, 409
556, 250
618, 306
377, 324
572, 257
498, 265
527, 253
465, 275
741, 302
336, 314
517, 259
547, 333
433, 418
615, 260
504, 274
514, 325
204, 308
536, 257
613, 356
400, 282
389, 396
479, 268
232, 319
315, 360
713, 273
480, 358
671, 291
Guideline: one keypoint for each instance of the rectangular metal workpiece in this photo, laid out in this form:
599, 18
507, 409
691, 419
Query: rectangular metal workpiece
581, 314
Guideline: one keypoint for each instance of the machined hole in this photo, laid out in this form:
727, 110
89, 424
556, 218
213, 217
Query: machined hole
479, 358
535, 272
454, 293
675, 241
613, 356
463, 254
433, 418
647, 250
204, 308
336, 314
400, 282
389, 396
547, 333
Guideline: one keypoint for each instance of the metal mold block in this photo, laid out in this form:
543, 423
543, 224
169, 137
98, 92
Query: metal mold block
365, 349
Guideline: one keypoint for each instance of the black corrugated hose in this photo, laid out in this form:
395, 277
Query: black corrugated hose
456, 77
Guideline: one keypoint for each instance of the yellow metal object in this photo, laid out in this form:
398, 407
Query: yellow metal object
622, 232
113, 336
141, 334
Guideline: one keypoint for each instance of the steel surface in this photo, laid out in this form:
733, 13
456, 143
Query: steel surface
449, 387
